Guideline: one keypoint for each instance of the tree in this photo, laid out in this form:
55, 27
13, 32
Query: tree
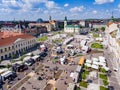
8, 65
103, 29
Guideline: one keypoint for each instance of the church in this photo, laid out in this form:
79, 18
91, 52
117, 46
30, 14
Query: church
70, 28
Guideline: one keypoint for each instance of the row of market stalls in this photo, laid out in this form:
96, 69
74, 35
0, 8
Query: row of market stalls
67, 41
75, 75
96, 63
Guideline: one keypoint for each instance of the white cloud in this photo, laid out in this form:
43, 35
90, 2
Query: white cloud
103, 1
118, 5
77, 9
94, 12
66, 5
51, 4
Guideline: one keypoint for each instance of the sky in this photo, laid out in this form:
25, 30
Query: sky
58, 9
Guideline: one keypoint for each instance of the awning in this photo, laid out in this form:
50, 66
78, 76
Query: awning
81, 62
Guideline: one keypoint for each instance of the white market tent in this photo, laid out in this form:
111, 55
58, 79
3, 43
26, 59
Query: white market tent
83, 42
102, 60
94, 66
96, 63
78, 69
42, 46
26, 58
76, 76
35, 57
95, 59
102, 63
71, 74
62, 60
106, 68
101, 57
18, 62
70, 45
88, 64
28, 54
88, 61
3, 70
85, 48
93, 86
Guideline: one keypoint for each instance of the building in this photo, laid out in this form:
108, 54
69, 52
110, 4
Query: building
71, 28
50, 25
112, 40
12, 43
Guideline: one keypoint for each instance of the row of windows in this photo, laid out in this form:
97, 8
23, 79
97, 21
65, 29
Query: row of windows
9, 48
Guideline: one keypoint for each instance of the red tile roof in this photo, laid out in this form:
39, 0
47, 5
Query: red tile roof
9, 40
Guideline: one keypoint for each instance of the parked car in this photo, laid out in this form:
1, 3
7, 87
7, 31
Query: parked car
110, 88
43, 54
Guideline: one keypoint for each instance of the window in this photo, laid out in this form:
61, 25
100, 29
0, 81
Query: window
9, 48
1, 50
16, 46
5, 49
12, 47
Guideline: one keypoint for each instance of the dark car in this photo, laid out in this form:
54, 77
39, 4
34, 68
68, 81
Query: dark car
110, 88
43, 54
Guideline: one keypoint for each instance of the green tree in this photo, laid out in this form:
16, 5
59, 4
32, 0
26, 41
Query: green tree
8, 65
103, 29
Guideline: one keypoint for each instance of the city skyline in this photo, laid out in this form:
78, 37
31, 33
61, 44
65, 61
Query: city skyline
58, 9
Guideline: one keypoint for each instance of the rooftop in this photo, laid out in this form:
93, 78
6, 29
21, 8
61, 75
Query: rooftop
11, 39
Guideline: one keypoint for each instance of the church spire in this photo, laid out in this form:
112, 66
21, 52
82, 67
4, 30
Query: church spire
65, 18
112, 18
50, 18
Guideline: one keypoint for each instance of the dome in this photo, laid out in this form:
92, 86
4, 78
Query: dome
39, 20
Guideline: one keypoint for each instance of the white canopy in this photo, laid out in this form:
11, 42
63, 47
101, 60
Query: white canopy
62, 59
3, 70
94, 66
106, 68
71, 74
102, 63
70, 45
95, 59
35, 57
26, 58
88, 64
101, 57
102, 60
88, 61
42, 46
96, 63
28, 54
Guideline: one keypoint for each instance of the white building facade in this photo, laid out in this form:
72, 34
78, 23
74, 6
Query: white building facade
15, 45
113, 42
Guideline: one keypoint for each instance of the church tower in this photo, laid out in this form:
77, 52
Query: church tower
50, 18
65, 21
112, 18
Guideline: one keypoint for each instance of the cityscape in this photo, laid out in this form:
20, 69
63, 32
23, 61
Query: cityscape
60, 45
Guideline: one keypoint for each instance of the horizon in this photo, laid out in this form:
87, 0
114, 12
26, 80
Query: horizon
31, 10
